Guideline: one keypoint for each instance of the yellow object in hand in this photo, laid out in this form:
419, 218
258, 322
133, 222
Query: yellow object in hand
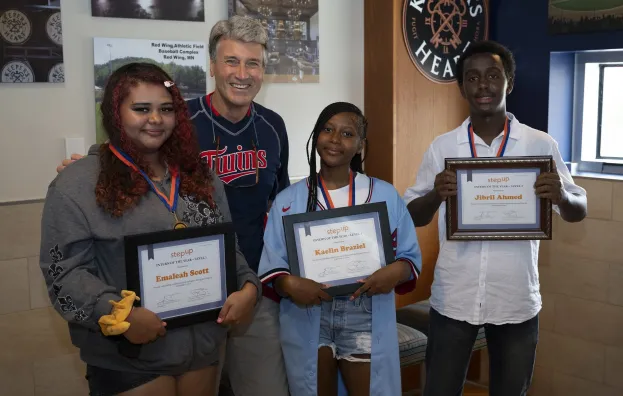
114, 323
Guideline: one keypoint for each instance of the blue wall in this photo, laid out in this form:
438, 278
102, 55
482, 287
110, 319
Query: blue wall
522, 26
560, 111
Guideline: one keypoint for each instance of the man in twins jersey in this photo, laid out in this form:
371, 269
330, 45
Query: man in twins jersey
247, 145
250, 155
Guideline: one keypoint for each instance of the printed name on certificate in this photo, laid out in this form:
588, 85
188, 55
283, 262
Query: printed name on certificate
181, 275
498, 198
340, 250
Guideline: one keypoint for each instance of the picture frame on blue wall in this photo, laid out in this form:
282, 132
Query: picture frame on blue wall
584, 16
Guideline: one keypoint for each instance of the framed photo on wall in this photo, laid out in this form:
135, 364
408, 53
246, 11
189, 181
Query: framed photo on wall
31, 42
293, 37
185, 61
168, 10
583, 16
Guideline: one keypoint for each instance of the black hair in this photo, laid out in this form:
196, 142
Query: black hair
356, 164
487, 47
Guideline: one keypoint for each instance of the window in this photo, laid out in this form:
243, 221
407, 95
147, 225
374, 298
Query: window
598, 112
610, 114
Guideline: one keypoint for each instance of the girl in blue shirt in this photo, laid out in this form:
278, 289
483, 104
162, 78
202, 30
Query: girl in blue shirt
348, 338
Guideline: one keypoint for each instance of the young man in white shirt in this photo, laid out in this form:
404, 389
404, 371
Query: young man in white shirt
494, 284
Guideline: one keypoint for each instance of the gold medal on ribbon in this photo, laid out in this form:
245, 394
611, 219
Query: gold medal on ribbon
171, 201
178, 224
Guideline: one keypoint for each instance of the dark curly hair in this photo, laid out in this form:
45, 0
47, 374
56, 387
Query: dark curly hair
487, 47
356, 164
119, 188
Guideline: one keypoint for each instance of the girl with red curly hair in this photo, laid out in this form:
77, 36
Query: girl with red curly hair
148, 177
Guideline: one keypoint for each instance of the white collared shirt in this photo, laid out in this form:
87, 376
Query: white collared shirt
481, 282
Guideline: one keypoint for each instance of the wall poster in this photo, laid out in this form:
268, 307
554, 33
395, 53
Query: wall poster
31, 41
185, 61
583, 16
170, 10
293, 37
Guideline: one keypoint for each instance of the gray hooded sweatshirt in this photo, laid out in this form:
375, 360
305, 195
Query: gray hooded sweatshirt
82, 259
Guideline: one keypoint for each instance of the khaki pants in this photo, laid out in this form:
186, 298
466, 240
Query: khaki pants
253, 361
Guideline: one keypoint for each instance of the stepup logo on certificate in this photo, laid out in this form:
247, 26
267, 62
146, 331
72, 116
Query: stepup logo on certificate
436, 33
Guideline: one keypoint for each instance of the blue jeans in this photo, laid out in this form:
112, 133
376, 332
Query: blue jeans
511, 347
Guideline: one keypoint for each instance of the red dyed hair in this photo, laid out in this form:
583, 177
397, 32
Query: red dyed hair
119, 188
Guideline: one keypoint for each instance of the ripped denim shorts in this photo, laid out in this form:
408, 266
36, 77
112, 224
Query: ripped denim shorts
346, 327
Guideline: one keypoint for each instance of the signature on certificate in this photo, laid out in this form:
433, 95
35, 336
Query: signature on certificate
484, 215
328, 271
167, 299
357, 266
198, 294
512, 214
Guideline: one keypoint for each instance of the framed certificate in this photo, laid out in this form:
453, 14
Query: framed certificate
184, 276
496, 201
338, 247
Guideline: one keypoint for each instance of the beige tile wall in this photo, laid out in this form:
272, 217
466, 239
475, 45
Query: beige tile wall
580, 349
37, 357
581, 271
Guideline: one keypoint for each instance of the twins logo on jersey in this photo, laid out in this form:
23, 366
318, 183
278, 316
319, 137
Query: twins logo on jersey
233, 166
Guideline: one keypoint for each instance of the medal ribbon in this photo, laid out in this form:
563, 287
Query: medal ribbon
171, 201
501, 150
327, 196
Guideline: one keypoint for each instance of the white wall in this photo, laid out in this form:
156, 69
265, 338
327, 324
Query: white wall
36, 118
313, 27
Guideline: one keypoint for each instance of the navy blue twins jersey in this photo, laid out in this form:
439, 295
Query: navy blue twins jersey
251, 158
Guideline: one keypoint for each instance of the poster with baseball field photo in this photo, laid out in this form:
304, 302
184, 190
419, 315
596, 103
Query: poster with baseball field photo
185, 61
31, 41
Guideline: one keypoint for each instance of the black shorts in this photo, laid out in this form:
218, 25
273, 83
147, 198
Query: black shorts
104, 382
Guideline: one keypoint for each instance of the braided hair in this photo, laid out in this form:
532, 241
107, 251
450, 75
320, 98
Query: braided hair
356, 164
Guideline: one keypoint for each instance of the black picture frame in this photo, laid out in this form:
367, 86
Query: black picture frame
542, 229
132, 261
339, 215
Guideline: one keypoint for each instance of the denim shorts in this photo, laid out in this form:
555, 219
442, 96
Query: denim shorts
104, 382
346, 327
